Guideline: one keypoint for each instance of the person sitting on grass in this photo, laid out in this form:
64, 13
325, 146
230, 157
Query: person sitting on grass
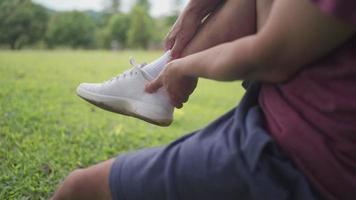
293, 134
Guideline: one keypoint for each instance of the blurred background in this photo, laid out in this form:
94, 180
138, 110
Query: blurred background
86, 24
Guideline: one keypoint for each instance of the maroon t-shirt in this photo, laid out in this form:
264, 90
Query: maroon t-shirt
313, 116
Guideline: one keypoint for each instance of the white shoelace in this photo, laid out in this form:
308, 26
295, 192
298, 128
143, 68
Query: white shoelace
129, 72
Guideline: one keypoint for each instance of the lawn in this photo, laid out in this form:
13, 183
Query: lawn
46, 131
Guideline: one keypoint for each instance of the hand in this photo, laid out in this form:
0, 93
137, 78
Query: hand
187, 25
178, 86
182, 32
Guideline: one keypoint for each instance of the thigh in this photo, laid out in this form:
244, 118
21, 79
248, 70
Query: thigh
233, 19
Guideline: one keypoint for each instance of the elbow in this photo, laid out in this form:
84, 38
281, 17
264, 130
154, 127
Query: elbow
271, 69
276, 76
270, 66
274, 71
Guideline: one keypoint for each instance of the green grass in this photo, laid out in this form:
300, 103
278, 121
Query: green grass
46, 130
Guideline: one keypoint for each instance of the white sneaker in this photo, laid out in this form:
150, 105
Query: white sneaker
124, 94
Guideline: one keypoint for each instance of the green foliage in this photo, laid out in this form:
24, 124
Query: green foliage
99, 18
133, 30
24, 23
46, 131
74, 29
141, 28
145, 4
170, 20
158, 37
117, 29
21, 22
115, 5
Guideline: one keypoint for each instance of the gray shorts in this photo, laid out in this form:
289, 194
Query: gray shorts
232, 158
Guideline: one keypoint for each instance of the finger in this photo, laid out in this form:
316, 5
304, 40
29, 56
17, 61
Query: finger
153, 86
170, 39
179, 106
185, 99
179, 44
179, 103
174, 100
169, 43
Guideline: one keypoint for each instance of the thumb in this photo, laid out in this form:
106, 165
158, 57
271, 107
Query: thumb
153, 86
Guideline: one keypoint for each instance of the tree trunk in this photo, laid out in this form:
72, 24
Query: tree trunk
13, 45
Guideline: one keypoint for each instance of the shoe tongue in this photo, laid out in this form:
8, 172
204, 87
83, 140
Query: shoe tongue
141, 68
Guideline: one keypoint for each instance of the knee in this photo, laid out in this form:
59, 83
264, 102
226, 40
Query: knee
72, 187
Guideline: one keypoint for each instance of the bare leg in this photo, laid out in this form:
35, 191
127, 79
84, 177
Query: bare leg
90, 183
234, 19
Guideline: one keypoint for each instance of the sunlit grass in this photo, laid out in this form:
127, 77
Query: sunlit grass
46, 130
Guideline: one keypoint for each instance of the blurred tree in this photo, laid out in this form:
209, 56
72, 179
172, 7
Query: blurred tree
115, 5
176, 6
115, 31
163, 27
170, 20
112, 6
118, 28
145, 4
21, 22
74, 29
141, 28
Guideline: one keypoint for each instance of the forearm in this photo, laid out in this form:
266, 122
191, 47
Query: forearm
226, 62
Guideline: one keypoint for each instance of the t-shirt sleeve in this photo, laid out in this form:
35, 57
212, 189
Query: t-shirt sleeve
342, 9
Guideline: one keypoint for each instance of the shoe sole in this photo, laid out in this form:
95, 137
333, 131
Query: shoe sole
123, 106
